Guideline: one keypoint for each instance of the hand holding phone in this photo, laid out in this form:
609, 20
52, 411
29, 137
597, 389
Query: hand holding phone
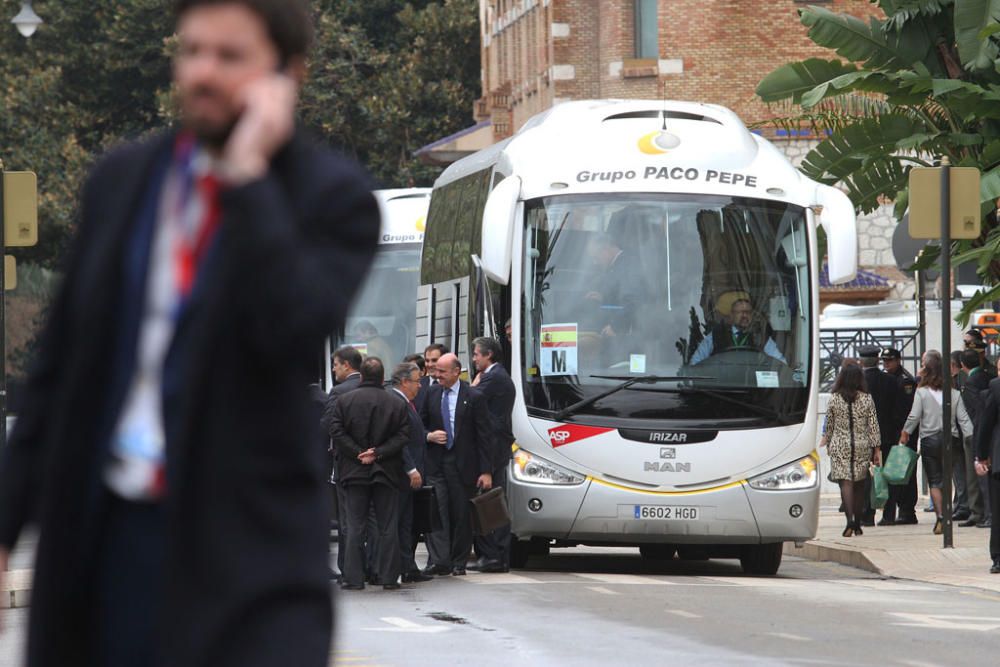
265, 125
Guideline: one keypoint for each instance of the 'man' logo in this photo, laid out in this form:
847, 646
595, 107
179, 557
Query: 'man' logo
665, 466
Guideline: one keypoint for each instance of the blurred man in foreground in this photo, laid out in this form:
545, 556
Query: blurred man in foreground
166, 445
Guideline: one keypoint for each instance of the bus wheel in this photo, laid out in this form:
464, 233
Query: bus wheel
657, 551
761, 558
522, 550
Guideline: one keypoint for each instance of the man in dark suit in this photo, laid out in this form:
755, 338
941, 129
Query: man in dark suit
459, 459
432, 353
347, 376
887, 396
493, 382
987, 456
165, 444
902, 498
370, 430
976, 383
406, 386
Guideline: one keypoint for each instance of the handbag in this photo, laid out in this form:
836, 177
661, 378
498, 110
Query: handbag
489, 511
426, 513
880, 488
899, 465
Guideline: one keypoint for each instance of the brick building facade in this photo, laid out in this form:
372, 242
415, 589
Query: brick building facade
537, 53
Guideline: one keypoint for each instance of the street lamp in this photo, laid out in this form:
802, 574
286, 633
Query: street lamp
27, 21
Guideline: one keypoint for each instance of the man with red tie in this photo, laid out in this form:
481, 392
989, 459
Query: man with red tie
165, 444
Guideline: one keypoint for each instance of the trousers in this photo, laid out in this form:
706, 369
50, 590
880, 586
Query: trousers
994, 484
496, 545
450, 546
360, 497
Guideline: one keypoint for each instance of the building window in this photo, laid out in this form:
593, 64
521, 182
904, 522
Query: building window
646, 30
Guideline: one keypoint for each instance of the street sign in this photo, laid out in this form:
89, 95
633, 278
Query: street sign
20, 208
9, 273
925, 203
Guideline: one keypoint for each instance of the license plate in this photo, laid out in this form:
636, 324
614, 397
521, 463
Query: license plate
666, 512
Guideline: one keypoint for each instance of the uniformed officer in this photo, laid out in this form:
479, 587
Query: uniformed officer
902, 498
888, 396
973, 339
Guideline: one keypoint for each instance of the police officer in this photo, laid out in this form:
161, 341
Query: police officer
888, 396
902, 498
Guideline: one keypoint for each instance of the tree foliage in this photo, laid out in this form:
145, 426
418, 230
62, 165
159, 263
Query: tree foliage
920, 83
386, 77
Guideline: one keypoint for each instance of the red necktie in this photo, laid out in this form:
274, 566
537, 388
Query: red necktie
190, 252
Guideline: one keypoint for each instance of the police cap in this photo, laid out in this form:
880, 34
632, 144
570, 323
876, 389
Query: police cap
890, 353
869, 352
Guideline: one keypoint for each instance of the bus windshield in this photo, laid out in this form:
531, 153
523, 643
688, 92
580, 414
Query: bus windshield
380, 322
706, 296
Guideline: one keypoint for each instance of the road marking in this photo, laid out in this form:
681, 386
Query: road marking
682, 613
601, 589
788, 635
882, 584
500, 578
948, 621
398, 624
628, 579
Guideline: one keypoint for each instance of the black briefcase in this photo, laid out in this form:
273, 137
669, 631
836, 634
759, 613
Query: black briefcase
426, 515
489, 511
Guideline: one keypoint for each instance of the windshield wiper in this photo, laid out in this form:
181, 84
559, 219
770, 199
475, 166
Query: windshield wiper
628, 382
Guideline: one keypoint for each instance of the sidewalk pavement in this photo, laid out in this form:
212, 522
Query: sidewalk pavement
903, 552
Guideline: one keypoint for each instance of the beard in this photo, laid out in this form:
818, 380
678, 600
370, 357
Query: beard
213, 134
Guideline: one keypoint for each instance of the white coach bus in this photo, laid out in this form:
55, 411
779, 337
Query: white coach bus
380, 322
657, 262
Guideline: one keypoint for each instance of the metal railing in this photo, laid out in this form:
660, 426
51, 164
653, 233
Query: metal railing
835, 345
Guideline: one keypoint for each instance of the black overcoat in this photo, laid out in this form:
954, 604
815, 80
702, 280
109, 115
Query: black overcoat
247, 578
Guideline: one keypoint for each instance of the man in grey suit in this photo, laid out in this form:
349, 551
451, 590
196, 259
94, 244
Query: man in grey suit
347, 376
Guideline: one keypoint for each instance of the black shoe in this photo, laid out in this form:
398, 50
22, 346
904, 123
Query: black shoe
969, 523
885, 521
938, 527
458, 571
995, 569
439, 570
985, 523
352, 587
960, 515
929, 508
857, 527
865, 522
848, 531
390, 587
907, 520
492, 566
416, 577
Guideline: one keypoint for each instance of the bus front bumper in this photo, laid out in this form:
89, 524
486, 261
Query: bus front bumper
602, 512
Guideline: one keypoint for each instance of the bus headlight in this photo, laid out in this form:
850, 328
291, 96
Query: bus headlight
802, 474
534, 469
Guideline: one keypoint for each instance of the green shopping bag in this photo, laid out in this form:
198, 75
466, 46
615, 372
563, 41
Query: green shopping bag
880, 488
899, 465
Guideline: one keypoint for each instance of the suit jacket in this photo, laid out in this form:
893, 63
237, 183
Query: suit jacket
370, 417
425, 385
415, 451
888, 396
472, 436
973, 395
350, 383
498, 390
247, 524
987, 446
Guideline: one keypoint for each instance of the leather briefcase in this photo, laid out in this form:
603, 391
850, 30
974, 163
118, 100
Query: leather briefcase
426, 515
489, 511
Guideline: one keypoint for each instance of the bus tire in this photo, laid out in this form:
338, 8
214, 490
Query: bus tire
657, 551
762, 559
692, 552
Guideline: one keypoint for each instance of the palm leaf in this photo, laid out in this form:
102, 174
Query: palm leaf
843, 153
855, 40
878, 179
795, 79
972, 19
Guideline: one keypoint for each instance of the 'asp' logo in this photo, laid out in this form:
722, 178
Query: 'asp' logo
564, 434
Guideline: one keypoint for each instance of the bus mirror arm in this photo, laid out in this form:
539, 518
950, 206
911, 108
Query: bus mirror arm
835, 211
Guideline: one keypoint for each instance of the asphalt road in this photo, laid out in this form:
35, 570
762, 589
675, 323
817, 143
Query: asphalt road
610, 607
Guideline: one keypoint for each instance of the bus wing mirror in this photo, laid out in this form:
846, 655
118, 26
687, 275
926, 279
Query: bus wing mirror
839, 221
498, 229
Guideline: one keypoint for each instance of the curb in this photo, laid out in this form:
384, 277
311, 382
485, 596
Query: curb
818, 551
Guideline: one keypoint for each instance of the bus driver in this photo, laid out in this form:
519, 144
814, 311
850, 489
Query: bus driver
738, 334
